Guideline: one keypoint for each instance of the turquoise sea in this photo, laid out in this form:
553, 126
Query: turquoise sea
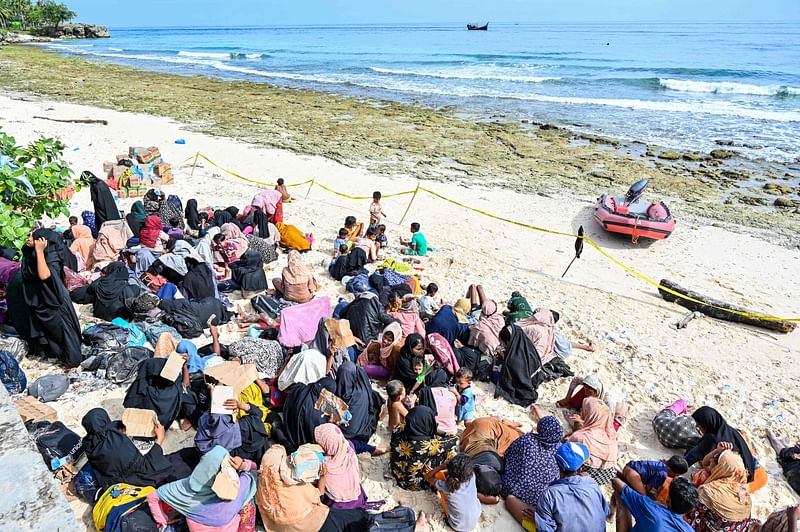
683, 86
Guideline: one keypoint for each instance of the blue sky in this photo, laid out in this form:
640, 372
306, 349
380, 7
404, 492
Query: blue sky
270, 12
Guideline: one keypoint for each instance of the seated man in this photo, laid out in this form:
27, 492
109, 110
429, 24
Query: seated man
648, 476
651, 516
574, 502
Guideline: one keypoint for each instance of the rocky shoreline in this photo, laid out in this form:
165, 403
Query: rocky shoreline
396, 139
66, 31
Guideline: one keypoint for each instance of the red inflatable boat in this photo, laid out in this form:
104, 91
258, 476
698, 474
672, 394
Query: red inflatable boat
631, 215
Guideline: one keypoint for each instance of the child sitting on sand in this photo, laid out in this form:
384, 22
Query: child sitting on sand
367, 243
428, 306
398, 405
458, 491
175, 228
354, 229
375, 211
418, 245
280, 187
339, 241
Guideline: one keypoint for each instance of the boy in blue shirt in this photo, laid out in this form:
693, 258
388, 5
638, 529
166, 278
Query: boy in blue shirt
651, 516
464, 384
339, 241
647, 476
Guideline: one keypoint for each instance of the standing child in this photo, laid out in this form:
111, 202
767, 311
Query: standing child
341, 240
418, 245
375, 210
380, 238
428, 306
398, 406
458, 491
280, 187
464, 385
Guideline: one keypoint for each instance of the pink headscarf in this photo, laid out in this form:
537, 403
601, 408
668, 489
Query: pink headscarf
485, 335
343, 476
443, 352
540, 328
267, 200
234, 235
597, 434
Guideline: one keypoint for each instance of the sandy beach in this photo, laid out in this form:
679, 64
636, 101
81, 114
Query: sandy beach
740, 370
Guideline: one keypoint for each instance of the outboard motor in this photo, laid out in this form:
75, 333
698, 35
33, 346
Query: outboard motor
636, 191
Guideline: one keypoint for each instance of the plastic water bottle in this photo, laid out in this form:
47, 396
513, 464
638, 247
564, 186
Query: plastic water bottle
56, 463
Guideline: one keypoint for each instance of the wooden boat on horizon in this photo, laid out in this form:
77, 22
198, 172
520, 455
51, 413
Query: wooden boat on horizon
478, 27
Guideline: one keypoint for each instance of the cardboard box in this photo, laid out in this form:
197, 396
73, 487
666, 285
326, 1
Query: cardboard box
149, 155
32, 409
133, 151
139, 423
167, 179
107, 167
238, 376
163, 168
118, 170
123, 157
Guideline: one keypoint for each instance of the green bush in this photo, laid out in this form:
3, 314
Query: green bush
30, 181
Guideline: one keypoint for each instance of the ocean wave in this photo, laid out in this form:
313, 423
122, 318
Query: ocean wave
450, 74
205, 55
252, 56
728, 87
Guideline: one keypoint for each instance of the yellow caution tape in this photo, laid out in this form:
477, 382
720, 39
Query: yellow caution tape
240, 176
586, 239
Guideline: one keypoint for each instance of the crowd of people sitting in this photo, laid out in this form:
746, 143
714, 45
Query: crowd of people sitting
283, 444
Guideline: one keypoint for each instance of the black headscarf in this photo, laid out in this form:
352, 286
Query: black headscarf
446, 323
114, 458
248, 272
420, 424
151, 391
223, 217
425, 398
353, 387
233, 211
300, 418
521, 362
261, 222
54, 326
105, 208
254, 436
198, 283
404, 367
192, 216
716, 430
110, 291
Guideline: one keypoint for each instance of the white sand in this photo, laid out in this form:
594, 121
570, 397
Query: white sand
737, 369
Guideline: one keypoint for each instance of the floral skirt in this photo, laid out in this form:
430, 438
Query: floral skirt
704, 519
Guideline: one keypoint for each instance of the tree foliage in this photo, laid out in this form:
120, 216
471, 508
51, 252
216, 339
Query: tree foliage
30, 179
34, 15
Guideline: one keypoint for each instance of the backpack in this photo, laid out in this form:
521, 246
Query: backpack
123, 367
11, 375
183, 321
400, 519
16, 346
136, 337
106, 335
268, 305
49, 387
85, 484
153, 331
116, 502
54, 440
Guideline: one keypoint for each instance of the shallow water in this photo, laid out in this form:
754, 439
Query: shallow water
678, 85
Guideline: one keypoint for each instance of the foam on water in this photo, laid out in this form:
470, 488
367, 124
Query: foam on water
728, 87
463, 74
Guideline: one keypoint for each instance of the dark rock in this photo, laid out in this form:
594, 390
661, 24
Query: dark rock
752, 200
669, 155
695, 157
76, 31
777, 190
548, 127
723, 142
648, 153
721, 154
787, 203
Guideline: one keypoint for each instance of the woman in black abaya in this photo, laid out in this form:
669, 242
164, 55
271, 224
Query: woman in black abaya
520, 363
114, 458
168, 399
300, 417
105, 208
54, 327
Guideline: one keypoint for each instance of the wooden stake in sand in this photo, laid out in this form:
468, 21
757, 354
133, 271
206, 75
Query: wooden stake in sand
413, 197
720, 309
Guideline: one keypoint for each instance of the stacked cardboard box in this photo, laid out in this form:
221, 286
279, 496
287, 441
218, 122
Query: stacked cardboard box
137, 171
